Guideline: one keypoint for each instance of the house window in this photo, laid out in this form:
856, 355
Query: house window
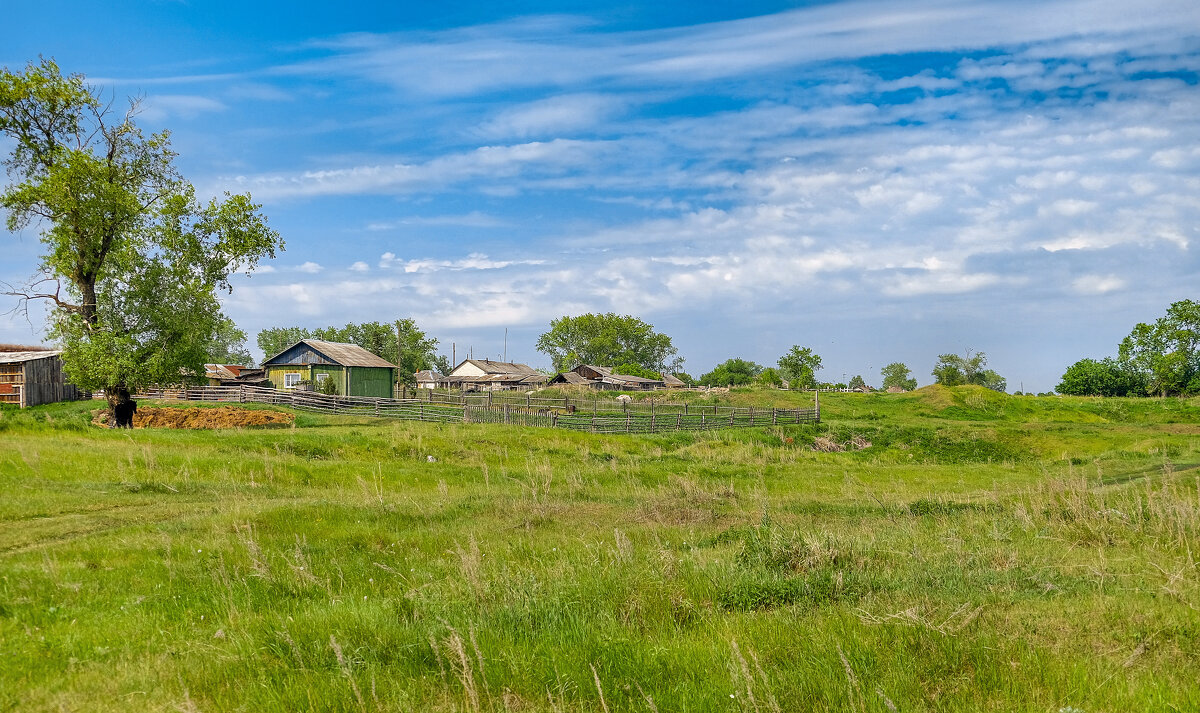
290, 380
322, 377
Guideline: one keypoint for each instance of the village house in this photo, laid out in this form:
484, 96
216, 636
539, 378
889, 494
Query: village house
32, 376
356, 371
602, 377
487, 375
429, 379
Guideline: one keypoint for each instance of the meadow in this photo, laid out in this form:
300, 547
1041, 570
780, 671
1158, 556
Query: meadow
944, 550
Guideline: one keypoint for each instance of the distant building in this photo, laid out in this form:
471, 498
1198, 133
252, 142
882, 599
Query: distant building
488, 375
235, 375
429, 379
32, 377
602, 377
356, 371
673, 382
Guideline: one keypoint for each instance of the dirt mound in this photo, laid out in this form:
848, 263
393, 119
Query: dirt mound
219, 417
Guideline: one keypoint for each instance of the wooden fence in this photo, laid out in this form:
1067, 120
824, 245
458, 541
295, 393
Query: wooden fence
606, 416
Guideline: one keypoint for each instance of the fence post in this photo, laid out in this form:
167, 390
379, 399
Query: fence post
554, 420
774, 415
593, 421
679, 422
701, 422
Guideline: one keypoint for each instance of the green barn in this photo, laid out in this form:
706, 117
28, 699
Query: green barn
356, 371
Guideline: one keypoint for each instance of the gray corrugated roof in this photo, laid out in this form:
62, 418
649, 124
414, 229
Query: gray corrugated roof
18, 357
500, 367
348, 354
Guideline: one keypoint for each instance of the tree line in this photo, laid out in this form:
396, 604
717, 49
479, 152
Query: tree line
1157, 358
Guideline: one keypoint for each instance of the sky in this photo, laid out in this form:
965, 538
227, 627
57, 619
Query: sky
880, 181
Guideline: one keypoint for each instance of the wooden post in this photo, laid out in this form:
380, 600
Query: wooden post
774, 415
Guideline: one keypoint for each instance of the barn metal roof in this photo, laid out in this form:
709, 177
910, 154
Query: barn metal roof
339, 353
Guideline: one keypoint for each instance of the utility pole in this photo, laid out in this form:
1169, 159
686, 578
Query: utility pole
505, 344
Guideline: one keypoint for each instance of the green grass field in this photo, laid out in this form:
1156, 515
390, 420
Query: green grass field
968, 551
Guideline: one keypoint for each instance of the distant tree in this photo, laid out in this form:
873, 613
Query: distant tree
607, 339
991, 380
857, 383
274, 340
769, 377
636, 370
899, 375
1166, 354
228, 345
799, 366
133, 260
733, 372
955, 370
401, 343
686, 378
1107, 377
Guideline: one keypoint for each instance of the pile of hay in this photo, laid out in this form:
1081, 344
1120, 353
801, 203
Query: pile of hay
219, 417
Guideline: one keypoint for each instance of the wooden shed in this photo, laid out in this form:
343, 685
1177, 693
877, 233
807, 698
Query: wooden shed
34, 377
356, 371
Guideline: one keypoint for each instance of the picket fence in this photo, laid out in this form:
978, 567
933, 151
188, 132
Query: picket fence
606, 417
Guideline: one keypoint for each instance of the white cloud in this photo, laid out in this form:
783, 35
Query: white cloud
360, 266
160, 107
310, 267
553, 116
1097, 284
474, 219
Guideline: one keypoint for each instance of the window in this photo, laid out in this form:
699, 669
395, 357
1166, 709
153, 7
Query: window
322, 377
290, 380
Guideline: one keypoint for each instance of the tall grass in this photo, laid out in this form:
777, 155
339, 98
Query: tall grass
1043, 564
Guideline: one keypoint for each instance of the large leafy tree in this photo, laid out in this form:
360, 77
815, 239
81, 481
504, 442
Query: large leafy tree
732, 372
228, 345
1166, 354
956, 370
1107, 377
898, 375
401, 342
607, 339
799, 366
133, 260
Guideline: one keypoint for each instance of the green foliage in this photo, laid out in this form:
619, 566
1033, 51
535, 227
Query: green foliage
228, 345
327, 386
733, 372
899, 375
799, 366
135, 259
955, 370
1107, 377
686, 378
857, 382
769, 377
1166, 354
401, 343
636, 370
605, 339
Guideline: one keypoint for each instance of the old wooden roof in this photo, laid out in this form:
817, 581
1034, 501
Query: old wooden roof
488, 366
19, 357
338, 353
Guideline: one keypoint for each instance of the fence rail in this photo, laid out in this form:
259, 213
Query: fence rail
605, 416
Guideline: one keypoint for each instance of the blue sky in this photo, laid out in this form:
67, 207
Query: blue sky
881, 181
